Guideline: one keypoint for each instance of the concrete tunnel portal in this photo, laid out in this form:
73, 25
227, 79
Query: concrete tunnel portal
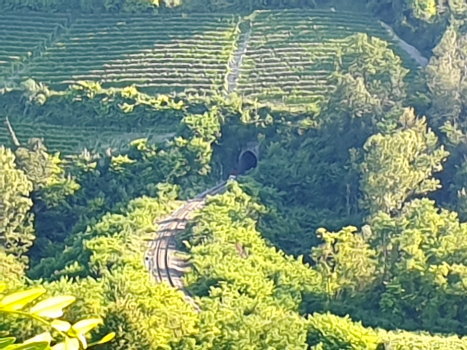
246, 161
248, 158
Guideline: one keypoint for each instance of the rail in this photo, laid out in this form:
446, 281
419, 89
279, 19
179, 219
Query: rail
159, 258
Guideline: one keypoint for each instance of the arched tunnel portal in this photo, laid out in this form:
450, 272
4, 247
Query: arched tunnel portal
247, 161
248, 158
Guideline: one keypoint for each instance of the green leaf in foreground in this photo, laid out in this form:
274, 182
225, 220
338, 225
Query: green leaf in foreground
60, 325
43, 337
80, 328
84, 326
32, 346
52, 307
105, 339
18, 300
68, 344
4, 342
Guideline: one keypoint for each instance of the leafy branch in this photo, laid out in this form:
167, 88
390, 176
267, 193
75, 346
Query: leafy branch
48, 312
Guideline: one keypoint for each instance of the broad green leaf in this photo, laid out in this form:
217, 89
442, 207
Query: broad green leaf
59, 346
18, 300
105, 339
52, 307
84, 326
60, 325
68, 344
82, 339
32, 346
71, 344
44, 337
4, 342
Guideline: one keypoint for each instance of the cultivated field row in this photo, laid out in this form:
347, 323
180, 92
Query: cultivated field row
288, 56
283, 58
72, 140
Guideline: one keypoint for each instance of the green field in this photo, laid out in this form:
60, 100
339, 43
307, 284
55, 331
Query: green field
157, 54
291, 54
21, 36
288, 59
72, 140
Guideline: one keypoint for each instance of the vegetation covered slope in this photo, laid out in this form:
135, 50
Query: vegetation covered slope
86, 116
350, 233
292, 55
72, 140
191, 54
158, 54
22, 38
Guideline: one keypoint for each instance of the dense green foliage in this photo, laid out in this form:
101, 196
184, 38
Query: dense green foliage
47, 313
349, 234
252, 295
187, 55
15, 230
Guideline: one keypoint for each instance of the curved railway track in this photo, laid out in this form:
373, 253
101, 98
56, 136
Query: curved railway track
160, 258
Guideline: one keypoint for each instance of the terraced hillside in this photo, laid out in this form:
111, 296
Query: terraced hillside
282, 57
157, 54
290, 54
73, 140
22, 36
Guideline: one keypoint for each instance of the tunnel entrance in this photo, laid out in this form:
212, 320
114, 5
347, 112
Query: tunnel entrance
246, 161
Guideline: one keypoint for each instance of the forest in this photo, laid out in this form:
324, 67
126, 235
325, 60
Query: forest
349, 231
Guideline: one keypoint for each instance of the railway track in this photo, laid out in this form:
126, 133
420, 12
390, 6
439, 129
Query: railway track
160, 258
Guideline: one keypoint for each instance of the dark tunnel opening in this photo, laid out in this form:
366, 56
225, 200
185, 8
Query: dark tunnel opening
246, 162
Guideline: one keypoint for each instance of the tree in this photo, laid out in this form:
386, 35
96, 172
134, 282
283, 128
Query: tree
399, 165
16, 230
369, 83
446, 79
423, 267
346, 262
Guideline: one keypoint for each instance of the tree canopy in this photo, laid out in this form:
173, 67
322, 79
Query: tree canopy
350, 232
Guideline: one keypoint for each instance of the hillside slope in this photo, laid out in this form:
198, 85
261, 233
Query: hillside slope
292, 54
283, 58
185, 53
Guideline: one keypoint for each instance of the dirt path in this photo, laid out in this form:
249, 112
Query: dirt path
234, 65
412, 51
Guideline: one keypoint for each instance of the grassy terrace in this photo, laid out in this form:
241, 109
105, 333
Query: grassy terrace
72, 140
291, 54
22, 35
157, 54
289, 58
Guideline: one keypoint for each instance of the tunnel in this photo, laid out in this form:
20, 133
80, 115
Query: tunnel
246, 161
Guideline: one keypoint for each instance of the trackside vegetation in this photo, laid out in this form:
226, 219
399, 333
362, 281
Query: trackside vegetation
350, 233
